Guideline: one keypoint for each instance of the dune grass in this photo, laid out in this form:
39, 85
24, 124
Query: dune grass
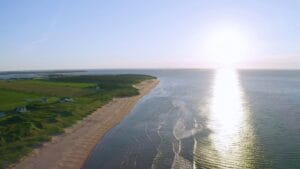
46, 115
10, 99
43, 87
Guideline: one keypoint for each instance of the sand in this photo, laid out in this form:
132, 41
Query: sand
71, 149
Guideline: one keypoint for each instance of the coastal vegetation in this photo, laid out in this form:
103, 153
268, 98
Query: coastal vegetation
33, 110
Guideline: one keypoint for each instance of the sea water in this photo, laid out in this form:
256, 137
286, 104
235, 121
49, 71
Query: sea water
208, 119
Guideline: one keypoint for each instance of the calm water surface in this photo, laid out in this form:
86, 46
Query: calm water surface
208, 119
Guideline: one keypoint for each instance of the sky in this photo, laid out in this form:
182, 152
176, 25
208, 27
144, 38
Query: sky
96, 34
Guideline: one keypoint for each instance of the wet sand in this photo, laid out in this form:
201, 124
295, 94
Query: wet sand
71, 149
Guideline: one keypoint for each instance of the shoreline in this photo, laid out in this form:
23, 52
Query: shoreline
72, 148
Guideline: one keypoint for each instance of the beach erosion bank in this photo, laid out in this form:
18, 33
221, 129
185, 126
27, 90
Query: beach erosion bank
71, 149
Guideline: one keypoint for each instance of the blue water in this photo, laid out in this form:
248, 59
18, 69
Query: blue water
207, 119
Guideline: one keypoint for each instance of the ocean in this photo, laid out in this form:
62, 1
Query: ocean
208, 119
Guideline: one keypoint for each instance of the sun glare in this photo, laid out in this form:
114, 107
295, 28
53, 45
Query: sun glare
226, 47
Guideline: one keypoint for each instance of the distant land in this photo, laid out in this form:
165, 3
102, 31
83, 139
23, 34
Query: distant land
40, 72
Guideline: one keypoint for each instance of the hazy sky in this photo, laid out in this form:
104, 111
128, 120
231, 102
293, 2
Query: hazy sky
71, 34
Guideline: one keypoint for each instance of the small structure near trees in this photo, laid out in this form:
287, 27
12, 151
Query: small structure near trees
65, 100
21, 109
43, 100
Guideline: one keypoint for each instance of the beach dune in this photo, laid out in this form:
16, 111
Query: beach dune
71, 149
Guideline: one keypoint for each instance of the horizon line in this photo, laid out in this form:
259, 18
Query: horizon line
140, 68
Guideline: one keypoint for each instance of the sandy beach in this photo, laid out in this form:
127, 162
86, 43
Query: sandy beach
71, 149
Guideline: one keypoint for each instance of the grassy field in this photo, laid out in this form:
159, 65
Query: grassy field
50, 106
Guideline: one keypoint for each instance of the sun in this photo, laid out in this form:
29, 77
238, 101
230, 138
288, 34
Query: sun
226, 47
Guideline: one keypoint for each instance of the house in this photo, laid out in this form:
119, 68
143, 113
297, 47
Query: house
98, 87
65, 100
21, 109
43, 100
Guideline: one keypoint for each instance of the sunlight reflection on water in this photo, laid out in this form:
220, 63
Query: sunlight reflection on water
231, 135
227, 116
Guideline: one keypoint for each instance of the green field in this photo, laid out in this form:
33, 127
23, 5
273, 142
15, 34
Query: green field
51, 105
